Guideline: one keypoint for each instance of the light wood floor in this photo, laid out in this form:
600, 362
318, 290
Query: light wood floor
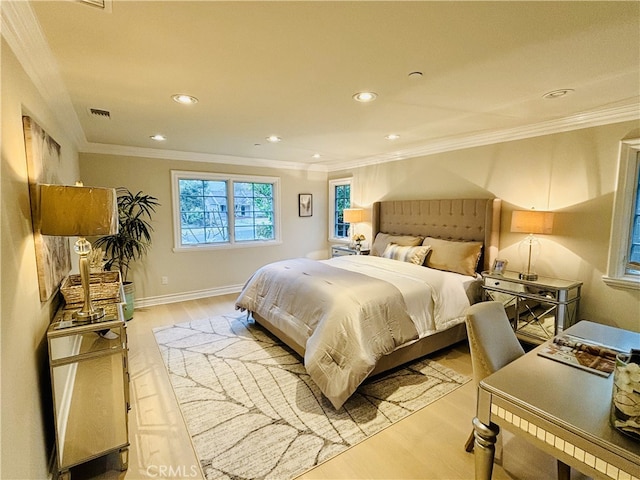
426, 445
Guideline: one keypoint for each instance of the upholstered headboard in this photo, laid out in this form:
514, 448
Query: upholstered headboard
450, 219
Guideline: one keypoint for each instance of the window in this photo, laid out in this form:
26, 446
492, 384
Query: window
339, 199
633, 263
624, 245
214, 210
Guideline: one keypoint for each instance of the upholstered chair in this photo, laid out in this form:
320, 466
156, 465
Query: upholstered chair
493, 344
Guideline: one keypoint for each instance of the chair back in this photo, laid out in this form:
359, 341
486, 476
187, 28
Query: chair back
492, 341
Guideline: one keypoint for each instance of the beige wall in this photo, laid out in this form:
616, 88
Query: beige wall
27, 435
573, 174
210, 271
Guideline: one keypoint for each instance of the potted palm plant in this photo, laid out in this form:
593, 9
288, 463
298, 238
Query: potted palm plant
133, 239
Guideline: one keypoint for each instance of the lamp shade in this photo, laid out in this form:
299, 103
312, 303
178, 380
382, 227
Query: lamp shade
531, 221
78, 211
353, 215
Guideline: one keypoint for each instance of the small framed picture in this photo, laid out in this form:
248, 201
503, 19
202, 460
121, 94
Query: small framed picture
499, 266
305, 205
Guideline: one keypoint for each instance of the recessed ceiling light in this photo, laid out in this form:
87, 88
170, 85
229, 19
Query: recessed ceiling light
273, 139
392, 136
415, 75
365, 97
558, 93
158, 137
184, 99
316, 155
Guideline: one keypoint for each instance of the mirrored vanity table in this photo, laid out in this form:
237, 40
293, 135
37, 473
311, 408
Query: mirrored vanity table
90, 386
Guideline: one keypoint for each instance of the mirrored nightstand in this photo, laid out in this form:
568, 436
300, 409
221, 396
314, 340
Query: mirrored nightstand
340, 250
538, 309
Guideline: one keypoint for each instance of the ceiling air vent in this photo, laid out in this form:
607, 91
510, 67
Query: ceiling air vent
98, 112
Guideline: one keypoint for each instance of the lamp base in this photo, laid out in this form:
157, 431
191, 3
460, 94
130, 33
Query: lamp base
88, 317
528, 276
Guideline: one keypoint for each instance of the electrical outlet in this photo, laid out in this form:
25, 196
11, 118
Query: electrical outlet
164, 280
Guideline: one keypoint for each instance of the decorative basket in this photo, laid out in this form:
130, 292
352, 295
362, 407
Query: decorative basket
103, 285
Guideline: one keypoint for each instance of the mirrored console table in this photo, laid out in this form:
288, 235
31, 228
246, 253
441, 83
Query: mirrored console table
90, 386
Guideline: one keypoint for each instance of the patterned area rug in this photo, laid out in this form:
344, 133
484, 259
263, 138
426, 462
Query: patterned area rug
253, 412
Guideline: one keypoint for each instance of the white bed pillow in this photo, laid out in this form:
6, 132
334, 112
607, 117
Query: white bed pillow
383, 239
459, 257
406, 253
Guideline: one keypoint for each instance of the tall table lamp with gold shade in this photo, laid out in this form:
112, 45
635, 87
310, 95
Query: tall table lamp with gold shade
79, 211
352, 216
531, 222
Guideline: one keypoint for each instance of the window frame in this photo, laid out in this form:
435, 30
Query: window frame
332, 206
623, 216
177, 175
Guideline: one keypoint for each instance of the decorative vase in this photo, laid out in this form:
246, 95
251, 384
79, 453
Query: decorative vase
625, 403
129, 291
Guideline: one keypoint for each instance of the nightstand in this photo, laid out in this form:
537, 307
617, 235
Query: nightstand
340, 250
538, 309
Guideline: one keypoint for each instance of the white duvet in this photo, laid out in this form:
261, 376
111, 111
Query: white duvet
350, 311
435, 300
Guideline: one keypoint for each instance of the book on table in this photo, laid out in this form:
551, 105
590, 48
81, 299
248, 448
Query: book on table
581, 353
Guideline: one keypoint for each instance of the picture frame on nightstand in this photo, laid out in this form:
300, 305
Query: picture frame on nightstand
499, 266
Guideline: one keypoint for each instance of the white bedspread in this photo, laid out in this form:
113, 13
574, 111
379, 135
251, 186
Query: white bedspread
436, 300
350, 311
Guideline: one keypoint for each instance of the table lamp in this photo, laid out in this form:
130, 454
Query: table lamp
352, 216
530, 221
79, 211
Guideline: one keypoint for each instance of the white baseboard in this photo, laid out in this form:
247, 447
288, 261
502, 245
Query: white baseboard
181, 297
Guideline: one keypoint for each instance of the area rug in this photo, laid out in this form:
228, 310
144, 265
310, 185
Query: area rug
253, 412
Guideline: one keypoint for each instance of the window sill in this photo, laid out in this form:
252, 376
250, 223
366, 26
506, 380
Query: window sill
630, 283
227, 246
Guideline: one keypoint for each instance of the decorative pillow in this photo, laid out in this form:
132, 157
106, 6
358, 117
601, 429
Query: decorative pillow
405, 253
383, 239
452, 256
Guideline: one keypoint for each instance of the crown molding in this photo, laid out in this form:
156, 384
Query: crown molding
574, 122
23, 34
123, 150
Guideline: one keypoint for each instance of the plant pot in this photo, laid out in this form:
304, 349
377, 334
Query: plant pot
129, 291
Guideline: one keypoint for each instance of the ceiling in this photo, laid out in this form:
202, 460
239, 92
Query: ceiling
291, 68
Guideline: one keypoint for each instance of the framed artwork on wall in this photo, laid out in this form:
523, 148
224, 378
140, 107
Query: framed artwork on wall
53, 256
305, 205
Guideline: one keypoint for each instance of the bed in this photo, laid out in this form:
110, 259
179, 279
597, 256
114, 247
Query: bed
353, 317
